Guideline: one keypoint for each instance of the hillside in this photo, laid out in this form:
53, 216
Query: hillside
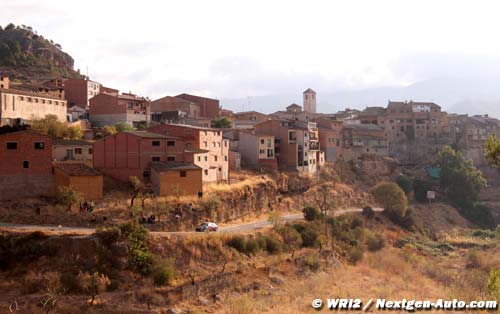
28, 56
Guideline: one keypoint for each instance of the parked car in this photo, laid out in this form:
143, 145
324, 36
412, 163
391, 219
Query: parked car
207, 226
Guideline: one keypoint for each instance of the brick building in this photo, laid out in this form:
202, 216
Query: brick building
175, 179
4, 82
208, 148
110, 109
296, 144
25, 165
174, 104
330, 138
80, 91
84, 179
209, 107
17, 107
131, 153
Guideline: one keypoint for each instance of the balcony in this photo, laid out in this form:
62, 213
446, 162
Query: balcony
313, 146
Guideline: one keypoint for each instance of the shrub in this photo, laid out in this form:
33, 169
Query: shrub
497, 231
312, 262
238, 243
405, 183
494, 284
32, 283
479, 214
473, 260
108, 235
141, 261
94, 284
480, 233
368, 212
134, 231
375, 243
391, 197
356, 255
273, 245
164, 273
309, 234
252, 247
291, 238
311, 213
356, 222
68, 196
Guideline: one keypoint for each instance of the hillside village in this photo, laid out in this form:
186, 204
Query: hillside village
104, 193
179, 135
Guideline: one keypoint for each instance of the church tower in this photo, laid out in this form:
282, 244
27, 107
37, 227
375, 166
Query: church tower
310, 101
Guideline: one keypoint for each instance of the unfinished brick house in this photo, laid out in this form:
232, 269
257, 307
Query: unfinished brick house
161, 108
80, 91
127, 154
25, 165
110, 109
205, 147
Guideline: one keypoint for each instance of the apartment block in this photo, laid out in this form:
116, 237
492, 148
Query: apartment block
208, 149
110, 109
25, 165
296, 144
131, 153
18, 107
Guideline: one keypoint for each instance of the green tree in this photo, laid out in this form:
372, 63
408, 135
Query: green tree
51, 126
492, 150
123, 127
67, 195
221, 123
461, 181
311, 213
109, 130
390, 196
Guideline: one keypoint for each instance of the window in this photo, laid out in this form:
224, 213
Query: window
262, 141
155, 143
225, 143
182, 174
220, 169
261, 151
11, 145
205, 172
155, 158
213, 143
225, 158
90, 151
199, 158
205, 143
39, 145
130, 105
215, 158
78, 151
145, 174
170, 143
206, 158
26, 164
170, 158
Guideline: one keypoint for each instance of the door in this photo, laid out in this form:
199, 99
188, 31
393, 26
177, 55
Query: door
69, 154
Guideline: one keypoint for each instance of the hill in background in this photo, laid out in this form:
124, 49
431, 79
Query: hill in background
25, 55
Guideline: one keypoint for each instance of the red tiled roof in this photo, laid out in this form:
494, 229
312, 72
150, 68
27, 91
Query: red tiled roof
77, 169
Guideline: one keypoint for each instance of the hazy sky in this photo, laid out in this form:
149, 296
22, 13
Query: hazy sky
228, 49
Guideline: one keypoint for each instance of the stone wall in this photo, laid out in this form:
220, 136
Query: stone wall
18, 186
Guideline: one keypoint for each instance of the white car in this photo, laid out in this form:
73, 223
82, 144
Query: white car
207, 226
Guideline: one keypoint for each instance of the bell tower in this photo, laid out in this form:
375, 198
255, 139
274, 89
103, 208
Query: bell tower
310, 101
